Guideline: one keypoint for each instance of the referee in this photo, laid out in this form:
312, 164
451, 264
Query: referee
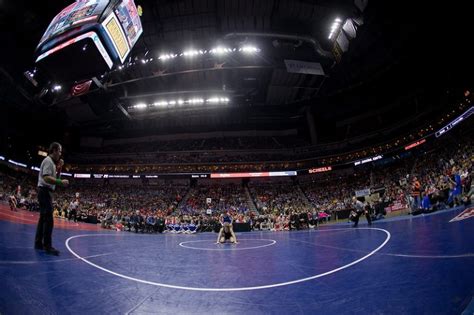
360, 208
47, 182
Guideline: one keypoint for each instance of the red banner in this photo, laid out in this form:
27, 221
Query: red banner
81, 88
320, 169
237, 175
415, 144
396, 207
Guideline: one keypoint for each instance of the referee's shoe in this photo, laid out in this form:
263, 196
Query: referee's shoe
51, 251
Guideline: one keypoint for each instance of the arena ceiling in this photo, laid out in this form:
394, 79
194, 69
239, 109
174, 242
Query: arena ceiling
399, 58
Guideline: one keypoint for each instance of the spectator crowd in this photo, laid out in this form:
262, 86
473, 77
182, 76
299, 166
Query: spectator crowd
436, 179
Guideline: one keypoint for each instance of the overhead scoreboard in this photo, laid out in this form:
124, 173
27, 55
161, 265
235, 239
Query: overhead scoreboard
89, 37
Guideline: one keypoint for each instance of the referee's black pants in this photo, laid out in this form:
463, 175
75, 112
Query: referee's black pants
367, 216
44, 230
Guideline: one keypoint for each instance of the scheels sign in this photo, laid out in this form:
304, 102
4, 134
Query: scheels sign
320, 169
415, 144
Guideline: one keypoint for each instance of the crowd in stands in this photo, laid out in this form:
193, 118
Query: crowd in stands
447, 179
216, 198
434, 174
191, 168
208, 160
438, 178
180, 158
215, 143
227, 154
277, 197
222, 161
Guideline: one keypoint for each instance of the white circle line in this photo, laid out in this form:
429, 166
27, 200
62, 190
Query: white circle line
229, 289
431, 256
272, 242
467, 255
28, 262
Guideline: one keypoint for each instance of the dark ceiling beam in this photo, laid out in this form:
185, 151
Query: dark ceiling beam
195, 92
201, 111
161, 75
123, 110
18, 87
308, 39
318, 89
295, 87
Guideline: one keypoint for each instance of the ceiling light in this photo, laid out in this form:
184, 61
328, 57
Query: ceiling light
250, 49
196, 101
190, 53
213, 100
220, 50
160, 104
166, 56
140, 106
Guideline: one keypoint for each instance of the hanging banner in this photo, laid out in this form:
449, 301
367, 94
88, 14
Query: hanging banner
296, 66
362, 192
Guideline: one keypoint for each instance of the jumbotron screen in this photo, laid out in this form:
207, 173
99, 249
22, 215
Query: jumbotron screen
127, 13
77, 13
96, 34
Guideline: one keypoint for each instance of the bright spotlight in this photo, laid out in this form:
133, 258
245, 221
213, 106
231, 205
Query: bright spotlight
213, 100
196, 101
220, 50
140, 106
161, 104
250, 49
190, 53
167, 56
334, 27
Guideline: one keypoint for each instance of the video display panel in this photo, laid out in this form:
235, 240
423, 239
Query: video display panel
127, 13
77, 13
